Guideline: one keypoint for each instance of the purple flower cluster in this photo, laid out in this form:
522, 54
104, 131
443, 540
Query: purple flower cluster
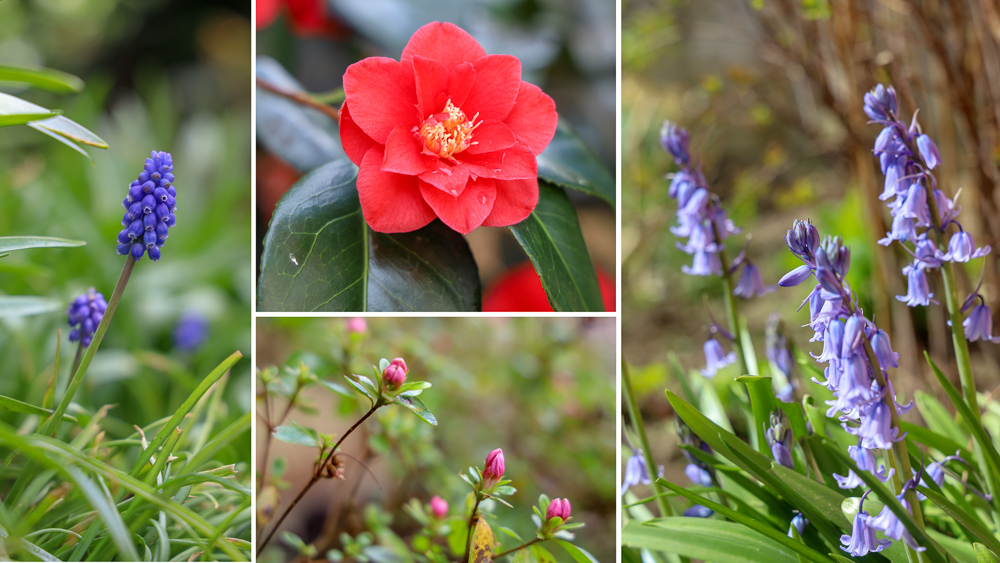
700, 218
85, 314
191, 331
907, 157
850, 376
150, 206
779, 353
636, 473
779, 438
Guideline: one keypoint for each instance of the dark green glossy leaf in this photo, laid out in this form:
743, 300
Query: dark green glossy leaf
569, 163
299, 135
419, 408
552, 239
8, 244
42, 78
710, 540
320, 255
24, 305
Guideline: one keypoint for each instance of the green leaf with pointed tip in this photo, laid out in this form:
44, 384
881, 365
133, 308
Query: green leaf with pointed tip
984, 554
336, 388
569, 163
9, 244
320, 255
552, 239
297, 434
42, 78
762, 402
938, 418
71, 130
24, 118
542, 554
25, 305
363, 388
711, 540
419, 408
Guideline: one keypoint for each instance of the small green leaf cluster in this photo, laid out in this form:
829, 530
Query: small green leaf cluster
554, 527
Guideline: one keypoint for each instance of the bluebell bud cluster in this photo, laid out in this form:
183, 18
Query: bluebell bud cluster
907, 157
85, 314
780, 438
859, 398
150, 206
700, 218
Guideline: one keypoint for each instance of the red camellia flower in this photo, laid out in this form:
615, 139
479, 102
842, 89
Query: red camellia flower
447, 131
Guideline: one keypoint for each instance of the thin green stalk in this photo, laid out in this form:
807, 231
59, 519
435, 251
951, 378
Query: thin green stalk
522, 546
732, 314
640, 432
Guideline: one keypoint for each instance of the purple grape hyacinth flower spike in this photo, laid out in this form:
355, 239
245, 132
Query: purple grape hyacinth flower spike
85, 314
150, 206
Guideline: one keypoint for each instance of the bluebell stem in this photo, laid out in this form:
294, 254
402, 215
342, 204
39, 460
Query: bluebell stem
779, 438
85, 313
190, 332
635, 472
150, 206
862, 539
799, 522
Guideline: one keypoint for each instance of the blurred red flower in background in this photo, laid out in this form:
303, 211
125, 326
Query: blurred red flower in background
307, 17
447, 131
520, 289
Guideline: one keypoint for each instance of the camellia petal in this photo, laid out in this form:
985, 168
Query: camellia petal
436, 85
382, 95
444, 42
355, 142
403, 154
533, 119
390, 203
515, 163
448, 179
466, 211
498, 80
515, 200
492, 136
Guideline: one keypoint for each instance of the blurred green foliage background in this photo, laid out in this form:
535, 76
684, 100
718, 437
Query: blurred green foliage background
171, 76
542, 389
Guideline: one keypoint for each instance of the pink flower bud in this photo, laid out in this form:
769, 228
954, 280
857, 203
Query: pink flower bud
494, 467
357, 325
560, 508
439, 507
394, 375
400, 363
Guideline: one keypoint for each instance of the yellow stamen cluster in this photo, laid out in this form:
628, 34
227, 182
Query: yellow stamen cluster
448, 133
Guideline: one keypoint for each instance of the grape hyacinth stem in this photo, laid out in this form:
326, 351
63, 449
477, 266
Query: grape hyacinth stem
52, 426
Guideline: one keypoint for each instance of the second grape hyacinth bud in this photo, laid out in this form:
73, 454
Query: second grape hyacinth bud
494, 468
395, 374
559, 508
85, 313
439, 507
150, 206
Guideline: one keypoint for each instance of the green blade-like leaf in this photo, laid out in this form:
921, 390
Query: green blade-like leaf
320, 255
761, 402
42, 78
23, 118
418, 407
296, 434
299, 135
25, 305
13, 405
552, 239
578, 554
710, 540
569, 163
71, 130
756, 525
938, 418
9, 244
336, 388
969, 522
